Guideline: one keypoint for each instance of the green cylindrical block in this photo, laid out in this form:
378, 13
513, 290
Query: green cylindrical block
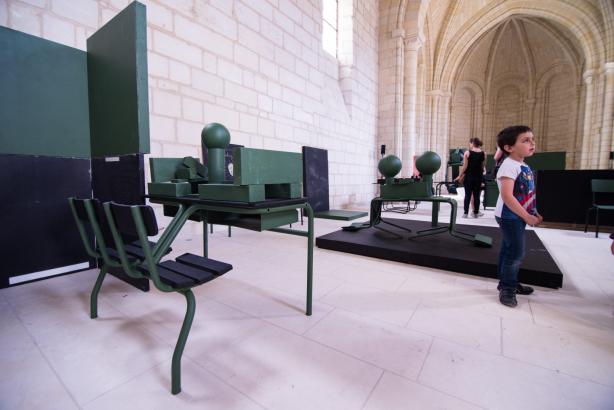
216, 138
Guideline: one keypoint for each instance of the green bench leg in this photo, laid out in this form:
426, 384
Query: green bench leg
94, 296
183, 337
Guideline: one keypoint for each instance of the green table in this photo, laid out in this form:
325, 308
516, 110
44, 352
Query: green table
207, 209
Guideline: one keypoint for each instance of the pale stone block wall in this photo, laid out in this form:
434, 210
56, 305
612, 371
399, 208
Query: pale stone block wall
256, 66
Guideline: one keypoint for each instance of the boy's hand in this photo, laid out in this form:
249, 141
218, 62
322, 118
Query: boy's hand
532, 220
541, 218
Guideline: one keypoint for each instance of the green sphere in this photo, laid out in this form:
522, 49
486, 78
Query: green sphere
428, 163
215, 135
389, 166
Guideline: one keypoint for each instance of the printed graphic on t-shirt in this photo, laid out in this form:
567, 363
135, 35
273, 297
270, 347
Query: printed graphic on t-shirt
524, 192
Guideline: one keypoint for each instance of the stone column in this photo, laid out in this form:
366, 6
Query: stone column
574, 161
411, 77
444, 131
433, 103
398, 35
588, 111
607, 133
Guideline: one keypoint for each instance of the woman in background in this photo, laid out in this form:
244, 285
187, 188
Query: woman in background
471, 175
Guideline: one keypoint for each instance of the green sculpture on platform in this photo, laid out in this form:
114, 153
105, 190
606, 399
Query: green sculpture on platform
389, 166
427, 164
258, 174
413, 189
216, 138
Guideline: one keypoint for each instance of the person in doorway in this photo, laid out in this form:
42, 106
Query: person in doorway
516, 208
471, 175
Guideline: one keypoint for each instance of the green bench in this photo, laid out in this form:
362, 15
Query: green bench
142, 259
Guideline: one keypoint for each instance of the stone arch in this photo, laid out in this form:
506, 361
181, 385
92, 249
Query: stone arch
580, 23
476, 100
567, 100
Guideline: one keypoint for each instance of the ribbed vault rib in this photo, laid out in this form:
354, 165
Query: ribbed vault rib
527, 52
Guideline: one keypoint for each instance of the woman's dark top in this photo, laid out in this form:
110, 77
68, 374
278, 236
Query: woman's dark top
474, 164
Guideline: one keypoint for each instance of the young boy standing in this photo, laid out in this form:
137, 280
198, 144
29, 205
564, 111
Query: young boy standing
516, 207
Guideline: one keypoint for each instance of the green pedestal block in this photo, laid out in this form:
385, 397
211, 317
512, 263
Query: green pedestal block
405, 190
283, 191
117, 77
227, 192
261, 166
340, 215
163, 169
482, 240
169, 188
262, 222
186, 173
43, 97
491, 194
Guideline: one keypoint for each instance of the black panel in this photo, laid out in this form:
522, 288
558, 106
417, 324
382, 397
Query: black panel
122, 180
556, 203
228, 160
119, 179
315, 178
446, 252
39, 231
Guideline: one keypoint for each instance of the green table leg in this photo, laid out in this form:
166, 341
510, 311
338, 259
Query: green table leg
435, 214
309, 257
205, 240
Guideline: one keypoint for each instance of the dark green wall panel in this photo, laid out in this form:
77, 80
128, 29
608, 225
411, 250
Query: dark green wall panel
117, 71
542, 161
43, 97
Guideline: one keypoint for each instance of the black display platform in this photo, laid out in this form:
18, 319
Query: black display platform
444, 251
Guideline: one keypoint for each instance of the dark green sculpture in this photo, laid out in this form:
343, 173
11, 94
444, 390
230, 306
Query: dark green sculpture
216, 138
389, 166
412, 189
428, 163
393, 189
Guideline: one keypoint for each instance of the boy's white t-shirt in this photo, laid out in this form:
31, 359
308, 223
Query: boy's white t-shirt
524, 188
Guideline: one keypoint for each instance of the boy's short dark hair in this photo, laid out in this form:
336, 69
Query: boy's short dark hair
509, 135
476, 142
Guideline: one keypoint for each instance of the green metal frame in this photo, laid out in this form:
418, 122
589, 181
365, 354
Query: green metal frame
184, 212
599, 186
376, 219
153, 257
99, 252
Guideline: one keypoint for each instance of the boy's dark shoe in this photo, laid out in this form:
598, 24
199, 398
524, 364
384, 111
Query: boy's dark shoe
507, 297
521, 289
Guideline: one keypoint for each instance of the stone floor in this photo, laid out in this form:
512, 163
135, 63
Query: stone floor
383, 335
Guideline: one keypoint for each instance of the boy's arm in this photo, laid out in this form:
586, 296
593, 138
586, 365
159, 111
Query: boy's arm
507, 194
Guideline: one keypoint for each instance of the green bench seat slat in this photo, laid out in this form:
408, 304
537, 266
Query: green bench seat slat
209, 265
198, 276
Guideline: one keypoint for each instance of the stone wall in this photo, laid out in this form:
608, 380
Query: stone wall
255, 66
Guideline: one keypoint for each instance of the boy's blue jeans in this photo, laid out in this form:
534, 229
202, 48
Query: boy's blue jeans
512, 251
